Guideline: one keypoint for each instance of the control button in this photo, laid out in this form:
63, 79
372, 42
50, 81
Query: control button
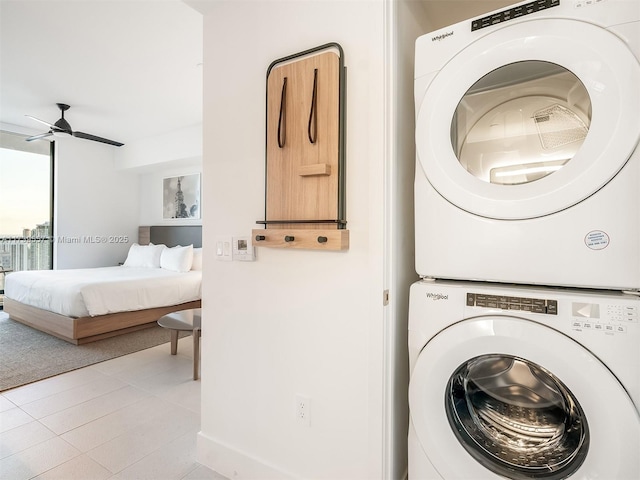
576, 324
598, 327
609, 328
552, 307
622, 313
587, 325
621, 329
471, 299
631, 313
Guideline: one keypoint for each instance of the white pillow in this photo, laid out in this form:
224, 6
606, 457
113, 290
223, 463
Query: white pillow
177, 259
144, 256
197, 259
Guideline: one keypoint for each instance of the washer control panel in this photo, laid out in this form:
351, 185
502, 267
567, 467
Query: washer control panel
608, 318
523, 304
612, 318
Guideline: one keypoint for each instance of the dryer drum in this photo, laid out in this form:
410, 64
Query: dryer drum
516, 419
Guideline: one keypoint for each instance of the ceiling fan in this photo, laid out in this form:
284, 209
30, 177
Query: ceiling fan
63, 127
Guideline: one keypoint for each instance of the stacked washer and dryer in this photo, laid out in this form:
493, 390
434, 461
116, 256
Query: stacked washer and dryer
524, 332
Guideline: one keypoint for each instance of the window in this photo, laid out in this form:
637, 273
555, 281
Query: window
521, 122
26, 205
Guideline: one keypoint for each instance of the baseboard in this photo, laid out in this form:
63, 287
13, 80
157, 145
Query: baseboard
235, 464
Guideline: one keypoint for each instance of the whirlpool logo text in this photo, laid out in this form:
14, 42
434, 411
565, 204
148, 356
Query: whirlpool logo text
437, 296
442, 36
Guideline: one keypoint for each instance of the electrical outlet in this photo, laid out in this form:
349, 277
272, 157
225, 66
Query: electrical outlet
303, 410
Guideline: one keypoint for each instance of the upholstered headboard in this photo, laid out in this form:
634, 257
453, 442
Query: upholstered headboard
171, 235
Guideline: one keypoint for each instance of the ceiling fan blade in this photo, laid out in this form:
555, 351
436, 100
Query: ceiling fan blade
38, 137
41, 121
88, 136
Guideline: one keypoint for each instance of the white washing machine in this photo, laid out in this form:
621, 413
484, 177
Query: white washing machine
527, 129
523, 382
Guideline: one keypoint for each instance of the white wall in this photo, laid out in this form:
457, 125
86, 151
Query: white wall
153, 159
292, 322
93, 200
146, 154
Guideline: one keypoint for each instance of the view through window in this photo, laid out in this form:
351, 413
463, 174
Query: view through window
26, 205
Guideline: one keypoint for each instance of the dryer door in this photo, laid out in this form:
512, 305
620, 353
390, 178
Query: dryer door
530, 119
497, 396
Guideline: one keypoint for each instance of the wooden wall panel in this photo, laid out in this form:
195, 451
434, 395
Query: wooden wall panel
302, 177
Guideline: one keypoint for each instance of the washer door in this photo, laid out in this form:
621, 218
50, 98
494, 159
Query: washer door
496, 397
530, 119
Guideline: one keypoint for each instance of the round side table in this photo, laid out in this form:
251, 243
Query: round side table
184, 321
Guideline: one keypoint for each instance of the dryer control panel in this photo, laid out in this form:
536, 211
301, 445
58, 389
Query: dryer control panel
511, 13
524, 304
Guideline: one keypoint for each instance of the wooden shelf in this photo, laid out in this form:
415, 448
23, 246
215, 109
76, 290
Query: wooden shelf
313, 170
323, 239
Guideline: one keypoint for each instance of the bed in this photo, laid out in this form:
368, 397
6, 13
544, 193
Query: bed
162, 274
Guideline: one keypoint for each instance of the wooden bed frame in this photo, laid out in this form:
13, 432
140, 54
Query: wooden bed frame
79, 330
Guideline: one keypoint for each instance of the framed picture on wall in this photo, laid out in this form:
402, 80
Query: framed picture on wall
181, 196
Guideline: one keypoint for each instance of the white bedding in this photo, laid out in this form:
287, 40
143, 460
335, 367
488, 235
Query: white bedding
98, 291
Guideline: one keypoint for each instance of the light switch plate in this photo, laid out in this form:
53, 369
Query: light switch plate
224, 249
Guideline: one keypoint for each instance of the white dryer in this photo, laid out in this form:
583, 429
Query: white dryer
523, 382
527, 130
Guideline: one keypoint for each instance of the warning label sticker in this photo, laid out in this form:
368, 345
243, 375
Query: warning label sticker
596, 240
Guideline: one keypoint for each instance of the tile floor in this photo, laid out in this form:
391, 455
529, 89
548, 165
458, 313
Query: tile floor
133, 417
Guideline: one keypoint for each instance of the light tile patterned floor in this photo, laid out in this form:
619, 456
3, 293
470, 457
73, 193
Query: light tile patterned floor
133, 417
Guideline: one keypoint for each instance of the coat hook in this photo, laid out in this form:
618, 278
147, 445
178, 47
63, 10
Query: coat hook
322, 239
289, 238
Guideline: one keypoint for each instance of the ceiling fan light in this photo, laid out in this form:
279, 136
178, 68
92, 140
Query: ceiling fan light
60, 134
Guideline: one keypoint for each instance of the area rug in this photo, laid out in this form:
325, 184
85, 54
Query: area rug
28, 355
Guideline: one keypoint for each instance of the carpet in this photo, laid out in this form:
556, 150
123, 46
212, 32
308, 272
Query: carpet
28, 355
